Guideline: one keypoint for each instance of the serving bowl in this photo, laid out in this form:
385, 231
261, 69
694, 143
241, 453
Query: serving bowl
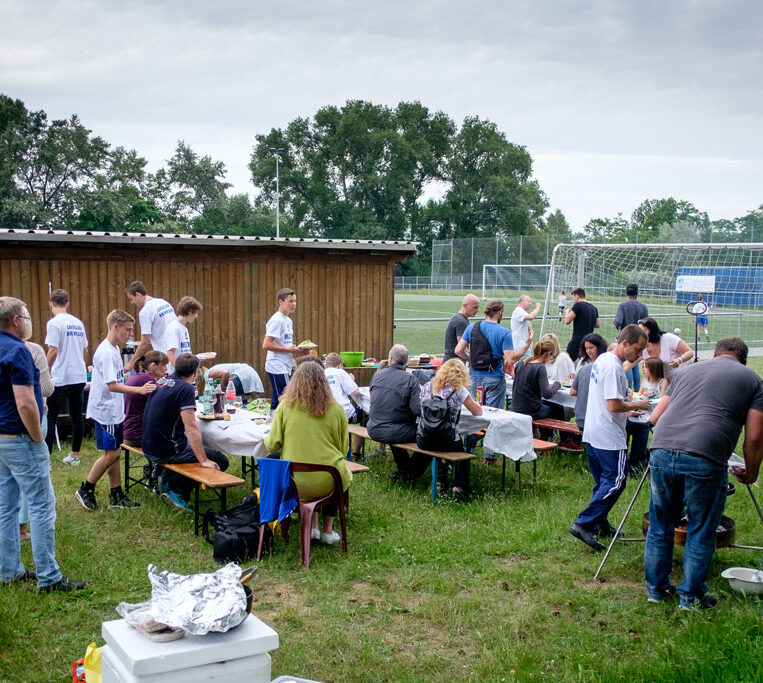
744, 580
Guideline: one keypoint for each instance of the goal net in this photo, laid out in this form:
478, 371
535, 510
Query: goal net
511, 279
729, 277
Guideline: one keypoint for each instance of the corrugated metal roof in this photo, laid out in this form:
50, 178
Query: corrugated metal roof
180, 239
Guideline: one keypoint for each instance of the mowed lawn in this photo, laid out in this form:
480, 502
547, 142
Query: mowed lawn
492, 590
428, 336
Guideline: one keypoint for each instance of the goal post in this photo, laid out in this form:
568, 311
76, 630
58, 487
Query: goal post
669, 276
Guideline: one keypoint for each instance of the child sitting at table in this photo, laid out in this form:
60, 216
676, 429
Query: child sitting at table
655, 382
342, 384
451, 382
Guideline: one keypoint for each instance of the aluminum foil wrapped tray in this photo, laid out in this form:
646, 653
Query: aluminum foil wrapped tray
198, 603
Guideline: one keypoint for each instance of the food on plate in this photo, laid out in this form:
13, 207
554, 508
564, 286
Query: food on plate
207, 355
307, 344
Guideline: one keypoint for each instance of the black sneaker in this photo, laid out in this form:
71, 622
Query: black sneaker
86, 497
119, 501
588, 537
669, 592
26, 577
705, 602
607, 531
64, 584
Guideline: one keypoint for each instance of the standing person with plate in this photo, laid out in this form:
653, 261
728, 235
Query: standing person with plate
584, 318
279, 344
67, 353
177, 339
155, 315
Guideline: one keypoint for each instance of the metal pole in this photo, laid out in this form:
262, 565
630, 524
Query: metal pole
754, 500
278, 200
622, 524
471, 269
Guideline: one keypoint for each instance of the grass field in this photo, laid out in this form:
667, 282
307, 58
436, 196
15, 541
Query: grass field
428, 337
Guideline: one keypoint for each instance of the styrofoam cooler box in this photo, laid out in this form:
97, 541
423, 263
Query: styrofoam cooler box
239, 654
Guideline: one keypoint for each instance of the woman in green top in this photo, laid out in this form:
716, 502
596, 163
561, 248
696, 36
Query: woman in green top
310, 426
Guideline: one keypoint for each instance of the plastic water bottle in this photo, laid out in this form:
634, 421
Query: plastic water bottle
230, 397
208, 400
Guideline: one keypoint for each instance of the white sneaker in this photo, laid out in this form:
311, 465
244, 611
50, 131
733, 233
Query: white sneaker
72, 460
315, 535
330, 539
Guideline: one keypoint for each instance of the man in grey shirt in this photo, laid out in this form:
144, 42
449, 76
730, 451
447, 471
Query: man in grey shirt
395, 407
458, 323
698, 423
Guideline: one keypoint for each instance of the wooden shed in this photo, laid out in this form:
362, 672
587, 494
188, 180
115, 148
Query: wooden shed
345, 288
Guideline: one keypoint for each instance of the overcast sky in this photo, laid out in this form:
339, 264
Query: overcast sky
617, 101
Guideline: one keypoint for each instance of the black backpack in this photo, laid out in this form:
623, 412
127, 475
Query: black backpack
434, 420
237, 531
480, 353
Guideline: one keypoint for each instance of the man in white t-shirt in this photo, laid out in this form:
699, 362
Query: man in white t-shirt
176, 338
604, 434
106, 407
67, 359
342, 384
521, 322
155, 315
279, 344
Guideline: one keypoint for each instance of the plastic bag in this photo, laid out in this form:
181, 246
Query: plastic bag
93, 663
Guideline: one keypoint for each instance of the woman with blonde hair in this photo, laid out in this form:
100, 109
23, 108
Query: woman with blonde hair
451, 383
559, 366
310, 426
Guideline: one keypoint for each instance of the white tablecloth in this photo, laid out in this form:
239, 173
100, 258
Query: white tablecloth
239, 436
508, 433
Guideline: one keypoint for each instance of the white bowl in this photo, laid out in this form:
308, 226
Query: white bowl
743, 580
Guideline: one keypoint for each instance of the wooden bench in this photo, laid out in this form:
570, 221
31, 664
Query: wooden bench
356, 467
540, 447
560, 425
210, 480
129, 480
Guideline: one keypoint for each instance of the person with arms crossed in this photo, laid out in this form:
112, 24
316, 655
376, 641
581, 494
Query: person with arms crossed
177, 339
521, 322
171, 434
457, 324
24, 459
279, 344
604, 435
155, 315
697, 425
106, 407
629, 313
67, 354
584, 318
491, 354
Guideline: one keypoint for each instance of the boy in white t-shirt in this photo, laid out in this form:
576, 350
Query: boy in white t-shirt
604, 434
342, 384
155, 315
106, 407
521, 322
67, 355
176, 339
279, 344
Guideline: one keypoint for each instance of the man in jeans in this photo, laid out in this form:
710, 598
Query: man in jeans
698, 423
67, 352
629, 313
491, 354
24, 459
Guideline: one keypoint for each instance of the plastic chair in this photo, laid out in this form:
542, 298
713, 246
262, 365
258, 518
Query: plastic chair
308, 507
278, 497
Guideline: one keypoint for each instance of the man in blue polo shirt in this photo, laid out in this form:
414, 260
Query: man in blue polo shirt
24, 459
491, 354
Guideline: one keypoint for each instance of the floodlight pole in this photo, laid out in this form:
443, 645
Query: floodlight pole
276, 154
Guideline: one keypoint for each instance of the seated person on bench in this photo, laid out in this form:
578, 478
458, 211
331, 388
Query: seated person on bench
531, 387
395, 407
343, 386
310, 426
170, 432
452, 384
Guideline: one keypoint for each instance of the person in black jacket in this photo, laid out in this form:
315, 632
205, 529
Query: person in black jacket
531, 385
395, 406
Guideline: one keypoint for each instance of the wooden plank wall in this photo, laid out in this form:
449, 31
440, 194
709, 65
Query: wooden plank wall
344, 302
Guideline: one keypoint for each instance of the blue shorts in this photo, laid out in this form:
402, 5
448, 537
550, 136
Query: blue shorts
702, 321
107, 437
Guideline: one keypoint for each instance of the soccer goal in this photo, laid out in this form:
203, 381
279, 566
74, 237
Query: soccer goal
511, 279
729, 277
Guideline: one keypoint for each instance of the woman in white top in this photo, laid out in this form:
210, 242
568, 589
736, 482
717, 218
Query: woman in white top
668, 347
559, 366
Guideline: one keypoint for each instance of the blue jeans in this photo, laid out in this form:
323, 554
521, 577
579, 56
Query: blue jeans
679, 479
634, 378
495, 397
277, 384
608, 470
25, 468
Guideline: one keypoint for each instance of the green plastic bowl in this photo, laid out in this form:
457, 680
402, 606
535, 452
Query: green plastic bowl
351, 359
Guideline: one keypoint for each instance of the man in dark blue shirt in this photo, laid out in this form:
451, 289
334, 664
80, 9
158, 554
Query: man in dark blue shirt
170, 432
629, 313
24, 459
